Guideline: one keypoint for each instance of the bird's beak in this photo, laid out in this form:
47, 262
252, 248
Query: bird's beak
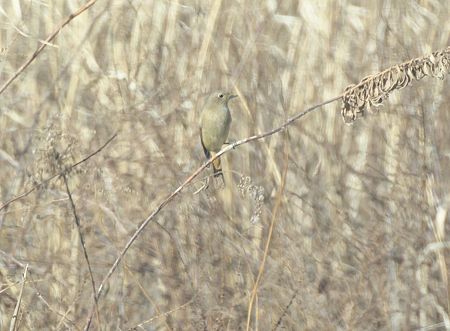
232, 96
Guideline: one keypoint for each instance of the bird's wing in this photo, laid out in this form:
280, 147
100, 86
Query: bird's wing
207, 153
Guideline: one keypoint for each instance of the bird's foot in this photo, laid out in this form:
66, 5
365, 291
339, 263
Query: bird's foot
231, 142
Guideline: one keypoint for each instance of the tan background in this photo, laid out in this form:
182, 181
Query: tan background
360, 237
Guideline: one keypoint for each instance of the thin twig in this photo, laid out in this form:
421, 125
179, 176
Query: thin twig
189, 180
45, 181
269, 235
277, 325
147, 295
64, 319
167, 313
12, 326
83, 245
46, 42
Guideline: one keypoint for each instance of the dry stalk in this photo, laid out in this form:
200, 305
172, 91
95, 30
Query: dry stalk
269, 235
373, 90
83, 244
12, 326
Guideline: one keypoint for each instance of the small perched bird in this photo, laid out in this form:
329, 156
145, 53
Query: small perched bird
215, 121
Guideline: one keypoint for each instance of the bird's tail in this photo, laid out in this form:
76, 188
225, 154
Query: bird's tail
217, 167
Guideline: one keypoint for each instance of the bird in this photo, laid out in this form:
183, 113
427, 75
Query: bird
215, 122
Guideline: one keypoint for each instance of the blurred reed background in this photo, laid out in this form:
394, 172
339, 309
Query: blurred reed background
360, 238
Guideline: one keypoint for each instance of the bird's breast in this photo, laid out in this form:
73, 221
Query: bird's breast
215, 125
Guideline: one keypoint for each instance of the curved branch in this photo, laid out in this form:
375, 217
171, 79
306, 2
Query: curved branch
172, 195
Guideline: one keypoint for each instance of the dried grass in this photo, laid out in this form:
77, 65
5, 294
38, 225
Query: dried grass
359, 238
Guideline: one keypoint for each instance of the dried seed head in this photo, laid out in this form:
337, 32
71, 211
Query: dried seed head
373, 90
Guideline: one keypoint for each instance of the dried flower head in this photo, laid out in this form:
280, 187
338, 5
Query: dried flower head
54, 151
373, 90
256, 194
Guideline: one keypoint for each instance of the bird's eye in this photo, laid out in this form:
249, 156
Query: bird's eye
220, 95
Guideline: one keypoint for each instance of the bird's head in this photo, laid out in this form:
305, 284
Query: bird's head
221, 98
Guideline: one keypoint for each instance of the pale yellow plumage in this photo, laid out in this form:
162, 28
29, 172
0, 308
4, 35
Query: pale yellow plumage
215, 121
